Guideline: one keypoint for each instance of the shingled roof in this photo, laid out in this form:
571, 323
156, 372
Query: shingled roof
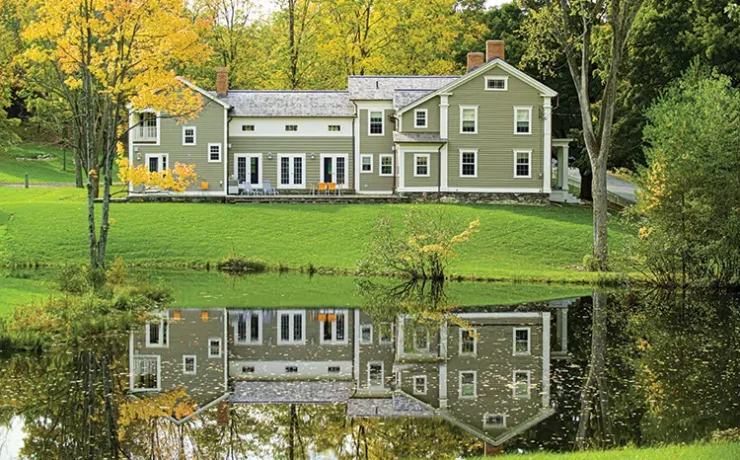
290, 103
380, 87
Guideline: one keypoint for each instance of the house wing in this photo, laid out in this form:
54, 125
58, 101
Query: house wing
496, 62
203, 92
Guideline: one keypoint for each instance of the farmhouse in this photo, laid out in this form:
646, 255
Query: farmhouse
486, 132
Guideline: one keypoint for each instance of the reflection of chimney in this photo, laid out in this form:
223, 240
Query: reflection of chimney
475, 60
222, 81
495, 49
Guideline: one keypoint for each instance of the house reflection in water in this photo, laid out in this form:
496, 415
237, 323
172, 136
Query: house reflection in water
485, 371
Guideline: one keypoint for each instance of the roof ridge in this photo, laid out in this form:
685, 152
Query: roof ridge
289, 91
404, 76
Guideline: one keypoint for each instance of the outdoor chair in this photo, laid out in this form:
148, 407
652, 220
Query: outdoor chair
267, 187
248, 190
322, 188
333, 187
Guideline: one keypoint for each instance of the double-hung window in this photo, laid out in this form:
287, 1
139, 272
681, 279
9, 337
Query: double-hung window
468, 384
523, 163
366, 162
420, 385
333, 327
188, 135
375, 377
214, 153
522, 341
468, 342
421, 165
214, 347
522, 381
468, 119
366, 334
189, 364
522, 120
385, 333
146, 373
291, 327
375, 123
248, 328
469, 163
386, 165
292, 171
421, 118
157, 333
494, 421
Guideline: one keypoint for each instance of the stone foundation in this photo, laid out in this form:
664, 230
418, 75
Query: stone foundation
480, 198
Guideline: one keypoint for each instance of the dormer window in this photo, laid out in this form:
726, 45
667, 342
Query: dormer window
497, 83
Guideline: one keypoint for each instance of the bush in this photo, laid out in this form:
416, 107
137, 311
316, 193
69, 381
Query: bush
72, 279
238, 266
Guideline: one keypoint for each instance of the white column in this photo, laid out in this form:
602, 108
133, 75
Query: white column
563, 329
547, 147
546, 359
356, 140
356, 346
444, 107
400, 183
443, 367
563, 168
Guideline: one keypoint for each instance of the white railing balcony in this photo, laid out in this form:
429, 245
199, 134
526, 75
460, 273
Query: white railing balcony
144, 133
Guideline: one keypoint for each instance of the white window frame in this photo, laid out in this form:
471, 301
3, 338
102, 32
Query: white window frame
426, 118
291, 322
322, 325
389, 341
428, 156
291, 130
513, 384
529, 341
195, 365
159, 374
380, 165
245, 130
460, 384
157, 155
329, 128
413, 385
292, 185
334, 157
220, 347
220, 152
382, 374
249, 156
137, 122
363, 341
488, 414
475, 164
382, 122
469, 107
517, 109
497, 78
362, 163
161, 335
195, 135
414, 332
529, 156
460, 351
235, 328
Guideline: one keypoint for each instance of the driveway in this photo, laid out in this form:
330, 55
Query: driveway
615, 185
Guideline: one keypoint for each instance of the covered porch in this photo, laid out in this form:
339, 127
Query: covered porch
560, 193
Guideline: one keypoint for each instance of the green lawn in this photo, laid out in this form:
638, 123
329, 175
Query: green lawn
12, 171
692, 452
522, 243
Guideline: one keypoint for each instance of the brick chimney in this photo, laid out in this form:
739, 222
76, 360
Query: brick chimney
495, 49
475, 60
222, 81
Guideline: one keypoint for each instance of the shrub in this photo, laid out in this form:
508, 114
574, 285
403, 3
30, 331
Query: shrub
73, 279
237, 265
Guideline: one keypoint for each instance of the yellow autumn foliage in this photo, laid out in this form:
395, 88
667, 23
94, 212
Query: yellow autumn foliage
177, 179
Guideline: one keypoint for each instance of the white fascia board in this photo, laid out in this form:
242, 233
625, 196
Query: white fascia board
203, 92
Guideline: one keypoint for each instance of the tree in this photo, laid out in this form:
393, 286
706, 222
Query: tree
105, 55
8, 48
691, 190
592, 34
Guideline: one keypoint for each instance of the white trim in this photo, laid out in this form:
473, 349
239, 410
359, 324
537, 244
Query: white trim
374, 192
130, 147
220, 347
529, 162
184, 365
473, 332
475, 384
529, 384
426, 118
160, 344
333, 325
413, 385
500, 315
195, 136
203, 92
442, 371
249, 156
362, 156
444, 114
362, 340
528, 109
235, 326
382, 374
496, 78
529, 341
380, 336
356, 162
468, 107
159, 374
428, 157
382, 122
291, 322
485, 418
147, 156
547, 147
475, 163
225, 152
220, 152
474, 189
334, 156
356, 344
510, 69
546, 359
380, 165
292, 185
225, 317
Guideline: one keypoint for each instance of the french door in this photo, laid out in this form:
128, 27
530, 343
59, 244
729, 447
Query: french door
248, 168
334, 169
292, 172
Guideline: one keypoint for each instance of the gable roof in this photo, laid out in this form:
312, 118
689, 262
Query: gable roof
290, 103
291, 392
404, 97
495, 62
382, 87
210, 95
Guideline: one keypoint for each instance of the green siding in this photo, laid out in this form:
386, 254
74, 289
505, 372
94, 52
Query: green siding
495, 139
209, 129
307, 145
408, 170
432, 107
376, 145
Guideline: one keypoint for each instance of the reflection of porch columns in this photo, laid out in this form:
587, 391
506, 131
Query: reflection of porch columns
563, 167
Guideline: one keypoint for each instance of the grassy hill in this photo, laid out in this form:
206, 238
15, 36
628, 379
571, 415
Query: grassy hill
521, 243
44, 164
728, 451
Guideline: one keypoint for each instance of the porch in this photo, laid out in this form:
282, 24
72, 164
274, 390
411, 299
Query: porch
560, 192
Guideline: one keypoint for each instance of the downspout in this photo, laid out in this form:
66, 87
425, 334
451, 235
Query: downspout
355, 157
395, 170
226, 158
439, 172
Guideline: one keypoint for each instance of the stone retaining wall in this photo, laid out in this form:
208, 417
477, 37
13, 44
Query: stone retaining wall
481, 198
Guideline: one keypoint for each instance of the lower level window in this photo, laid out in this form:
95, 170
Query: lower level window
386, 165
494, 421
421, 165
214, 152
156, 162
468, 164
521, 384
468, 384
189, 364
375, 374
523, 163
146, 372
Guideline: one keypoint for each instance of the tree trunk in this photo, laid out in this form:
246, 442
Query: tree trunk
586, 180
600, 212
78, 167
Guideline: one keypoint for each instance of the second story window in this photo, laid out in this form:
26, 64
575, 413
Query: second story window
468, 119
291, 128
376, 123
214, 153
522, 343
496, 83
247, 127
468, 342
523, 120
420, 118
188, 135
335, 128
146, 127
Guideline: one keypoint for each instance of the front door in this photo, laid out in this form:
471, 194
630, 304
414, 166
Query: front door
334, 169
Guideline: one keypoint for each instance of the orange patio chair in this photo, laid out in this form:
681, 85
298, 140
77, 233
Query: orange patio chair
322, 187
333, 187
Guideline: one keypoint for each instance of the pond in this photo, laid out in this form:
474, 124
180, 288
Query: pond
287, 366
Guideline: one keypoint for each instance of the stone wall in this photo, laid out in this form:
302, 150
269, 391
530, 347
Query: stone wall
480, 198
